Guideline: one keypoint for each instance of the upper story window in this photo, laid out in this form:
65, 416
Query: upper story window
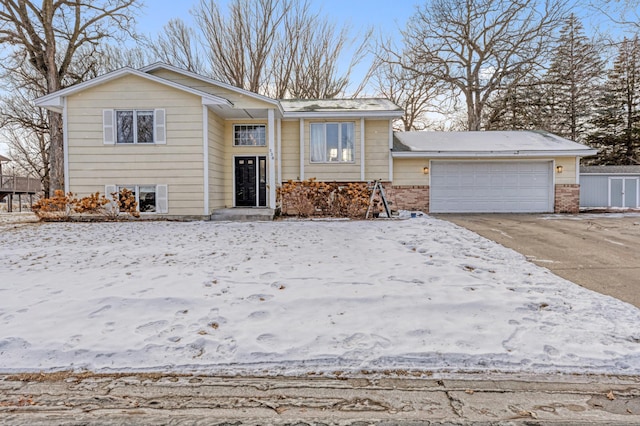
134, 126
131, 126
249, 135
332, 142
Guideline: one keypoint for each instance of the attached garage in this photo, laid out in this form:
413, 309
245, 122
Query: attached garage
491, 187
487, 172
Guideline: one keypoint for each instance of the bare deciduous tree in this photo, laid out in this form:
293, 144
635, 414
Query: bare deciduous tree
417, 93
25, 130
479, 46
49, 34
178, 45
278, 48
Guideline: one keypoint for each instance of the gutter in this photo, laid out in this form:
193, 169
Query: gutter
491, 154
344, 114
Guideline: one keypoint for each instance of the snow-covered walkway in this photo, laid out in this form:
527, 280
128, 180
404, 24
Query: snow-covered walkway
294, 297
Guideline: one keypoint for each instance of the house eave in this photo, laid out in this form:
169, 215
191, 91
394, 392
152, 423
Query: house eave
54, 103
492, 154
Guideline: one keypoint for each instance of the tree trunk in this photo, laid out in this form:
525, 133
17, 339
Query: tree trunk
56, 153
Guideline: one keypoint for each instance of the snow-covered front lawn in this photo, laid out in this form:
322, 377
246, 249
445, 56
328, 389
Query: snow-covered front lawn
295, 297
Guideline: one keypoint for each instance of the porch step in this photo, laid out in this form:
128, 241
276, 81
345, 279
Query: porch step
243, 215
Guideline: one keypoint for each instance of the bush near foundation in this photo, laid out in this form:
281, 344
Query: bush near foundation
65, 207
313, 198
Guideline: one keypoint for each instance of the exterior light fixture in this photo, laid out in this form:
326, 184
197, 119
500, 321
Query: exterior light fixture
425, 170
559, 169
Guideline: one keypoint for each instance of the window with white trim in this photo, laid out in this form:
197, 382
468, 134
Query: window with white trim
332, 142
149, 198
249, 135
134, 126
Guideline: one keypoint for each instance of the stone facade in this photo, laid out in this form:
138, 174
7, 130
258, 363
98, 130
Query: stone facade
408, 197
567, 198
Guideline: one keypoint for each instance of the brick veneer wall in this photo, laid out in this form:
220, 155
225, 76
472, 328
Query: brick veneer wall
567, 198
408, 197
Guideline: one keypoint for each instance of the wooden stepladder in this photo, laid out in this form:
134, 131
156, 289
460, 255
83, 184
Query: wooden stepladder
377, 188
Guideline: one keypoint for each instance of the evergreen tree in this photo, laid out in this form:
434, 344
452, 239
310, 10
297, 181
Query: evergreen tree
618, 115
572, 78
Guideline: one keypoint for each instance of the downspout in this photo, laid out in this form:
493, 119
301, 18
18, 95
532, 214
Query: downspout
279, 149
301, 149
390, 150
205, 154
362, 156
65, 146
271, 124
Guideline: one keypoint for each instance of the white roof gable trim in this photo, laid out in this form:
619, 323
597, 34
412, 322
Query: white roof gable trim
54, 101
160, 65
485, 144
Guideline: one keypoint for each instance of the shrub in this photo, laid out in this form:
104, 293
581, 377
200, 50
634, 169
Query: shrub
91, 204
57, 208
310, 197
62, 207
126, 202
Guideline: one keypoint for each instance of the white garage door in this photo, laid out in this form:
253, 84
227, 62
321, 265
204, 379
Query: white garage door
491, 187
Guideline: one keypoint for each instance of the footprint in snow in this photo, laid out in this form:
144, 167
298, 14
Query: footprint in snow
99, 311
550, 350
151, 327
267, 275
259, 315
419, 332
365, 341
259, 297
72, 342
109, 327
267, 338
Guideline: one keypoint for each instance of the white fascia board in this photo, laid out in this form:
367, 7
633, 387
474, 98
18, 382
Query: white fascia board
160, 65
345, 114
55, 103
209, 100
490, 154
610, 174
52, 100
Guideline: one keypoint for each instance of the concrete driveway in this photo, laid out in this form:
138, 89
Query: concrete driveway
599, 252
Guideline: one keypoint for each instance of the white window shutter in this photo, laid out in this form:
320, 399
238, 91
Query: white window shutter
160, 126
108, 127
162, 198
108, 190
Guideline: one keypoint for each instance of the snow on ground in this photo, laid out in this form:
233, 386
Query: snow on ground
293, 297
17, 217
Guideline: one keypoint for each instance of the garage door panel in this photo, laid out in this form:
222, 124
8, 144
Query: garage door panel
487, 187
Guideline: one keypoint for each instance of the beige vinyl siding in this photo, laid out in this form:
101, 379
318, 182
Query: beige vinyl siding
408, 171
569, 172
290, 150
328, 172
232, 151
376, 152
239, 100
217, 183
376, 149
178, 164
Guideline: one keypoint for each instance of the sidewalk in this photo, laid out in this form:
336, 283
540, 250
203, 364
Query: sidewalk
118, 399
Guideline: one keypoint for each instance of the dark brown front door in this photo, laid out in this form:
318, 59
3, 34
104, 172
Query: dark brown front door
250, 175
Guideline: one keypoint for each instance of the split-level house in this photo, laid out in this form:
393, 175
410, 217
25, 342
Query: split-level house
189, 146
